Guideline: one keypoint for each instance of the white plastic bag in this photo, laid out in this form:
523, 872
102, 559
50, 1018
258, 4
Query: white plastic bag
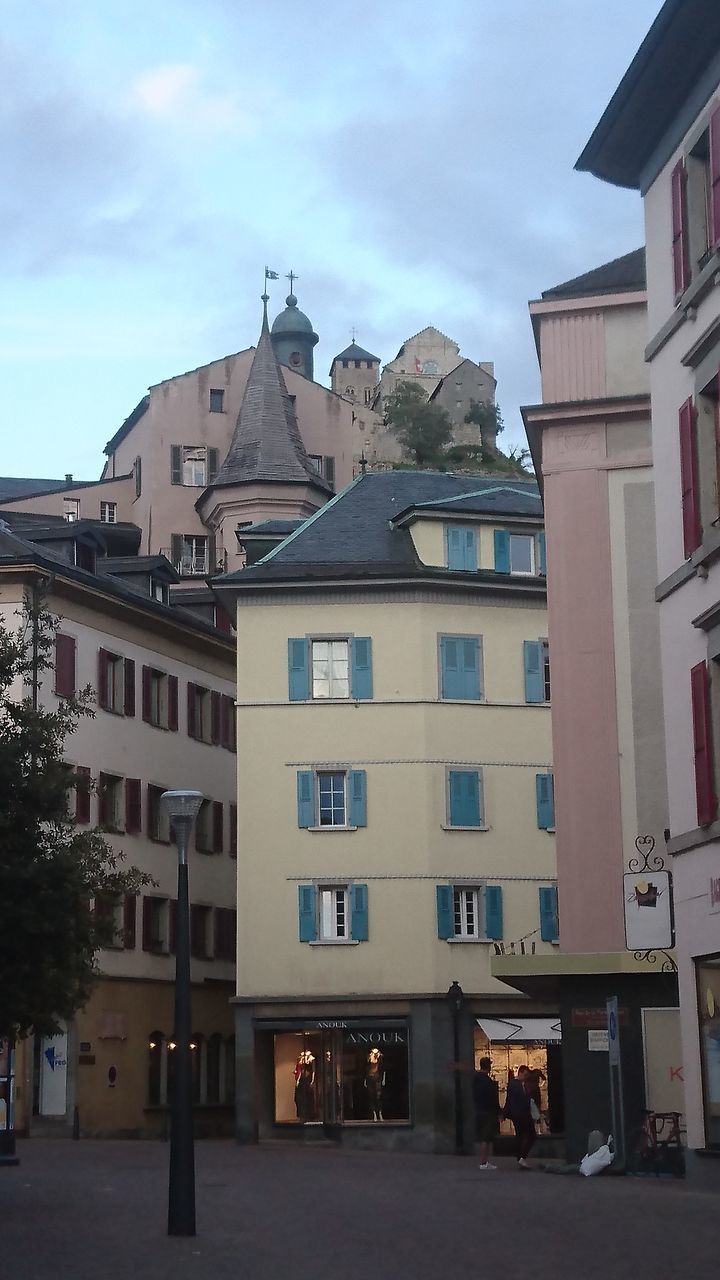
598, 1160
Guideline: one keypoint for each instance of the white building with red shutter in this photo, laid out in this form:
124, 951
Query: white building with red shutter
660, 134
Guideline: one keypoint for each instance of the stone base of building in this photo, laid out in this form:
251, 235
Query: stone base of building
702, 1170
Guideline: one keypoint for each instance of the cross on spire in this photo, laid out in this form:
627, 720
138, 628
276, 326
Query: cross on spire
353, 333
291, 277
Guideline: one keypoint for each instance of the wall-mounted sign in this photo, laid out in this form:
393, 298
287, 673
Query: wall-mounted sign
597, 1017
648, 910
597, 1041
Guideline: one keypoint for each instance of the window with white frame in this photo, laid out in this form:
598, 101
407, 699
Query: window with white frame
467, 911
522, 553
194, 554
333, 918
332, 800
330, 669
108, 512
316, 459
71, 509
194, 466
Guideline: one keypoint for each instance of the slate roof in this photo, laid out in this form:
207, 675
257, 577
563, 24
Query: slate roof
354, 352
266, 444
622, 275
270, 527
355, 534
140, 408
12, 488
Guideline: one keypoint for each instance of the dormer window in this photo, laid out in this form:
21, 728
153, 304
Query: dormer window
522, 553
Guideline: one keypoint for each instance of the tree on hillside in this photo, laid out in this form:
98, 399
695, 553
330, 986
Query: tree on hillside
52, 873
487, 416
423, 429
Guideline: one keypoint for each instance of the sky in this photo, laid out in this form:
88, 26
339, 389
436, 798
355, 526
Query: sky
411, 163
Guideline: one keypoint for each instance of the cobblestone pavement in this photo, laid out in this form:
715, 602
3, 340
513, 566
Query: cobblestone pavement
97, 1211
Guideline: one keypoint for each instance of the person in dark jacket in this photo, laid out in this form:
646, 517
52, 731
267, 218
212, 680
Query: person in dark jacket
487, 1110
517, 1109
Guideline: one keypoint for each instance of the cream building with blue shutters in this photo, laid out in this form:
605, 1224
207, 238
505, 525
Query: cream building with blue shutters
396, 806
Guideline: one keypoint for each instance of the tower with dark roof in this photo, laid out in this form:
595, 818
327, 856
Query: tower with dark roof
267, 473
293, 338
354, 374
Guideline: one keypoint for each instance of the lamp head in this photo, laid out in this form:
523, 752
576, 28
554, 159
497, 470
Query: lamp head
455, 997
182, 807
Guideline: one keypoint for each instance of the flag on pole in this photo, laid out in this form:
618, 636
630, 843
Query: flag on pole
271, 275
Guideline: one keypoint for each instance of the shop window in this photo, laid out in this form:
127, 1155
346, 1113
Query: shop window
543, 1060
708, 988
156, 1073
349, 1076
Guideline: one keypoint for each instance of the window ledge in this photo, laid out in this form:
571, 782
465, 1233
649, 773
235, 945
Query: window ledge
463, 941
447, 827
334, 942
326, 829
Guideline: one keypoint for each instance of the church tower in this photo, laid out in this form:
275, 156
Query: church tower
293, 337
354, 373
267, 474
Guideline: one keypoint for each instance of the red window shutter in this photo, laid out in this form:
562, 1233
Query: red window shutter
133, 806
681, 257
173, 703
233, 831
214, 717
103, 678
172, 926
222, 620
147, 920
129, 919
714, 220
702, 744
147, 695
64, 665
217, 821
103, 811
129, 689
192, 732
82, 794
692, 529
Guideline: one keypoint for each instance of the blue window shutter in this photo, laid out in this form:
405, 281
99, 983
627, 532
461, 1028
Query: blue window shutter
450, 675
493, 911
455, 556
358, 797
542, 555
502, 551
464, 797
362, 681
470, 550
306, 798
445, 924
545, 795
470, 656
307, 912
298, 679
548, 914
534, 675
359, 913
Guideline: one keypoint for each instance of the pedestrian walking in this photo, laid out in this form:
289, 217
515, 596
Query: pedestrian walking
518, 1110
487, 1111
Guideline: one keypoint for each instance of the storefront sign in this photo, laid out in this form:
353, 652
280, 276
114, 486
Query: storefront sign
714, 895
53, 1075
597, 1041
375, 1037
648, 910
596, 1018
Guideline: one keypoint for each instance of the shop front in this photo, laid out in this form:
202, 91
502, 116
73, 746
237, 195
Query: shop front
535, 1043
341, 1073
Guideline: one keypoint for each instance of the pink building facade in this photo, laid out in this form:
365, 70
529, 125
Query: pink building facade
662, 137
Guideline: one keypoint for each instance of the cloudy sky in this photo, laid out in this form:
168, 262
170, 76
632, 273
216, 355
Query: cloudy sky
412, 162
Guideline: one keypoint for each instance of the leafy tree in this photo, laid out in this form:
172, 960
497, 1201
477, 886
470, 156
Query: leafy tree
50, 870
487, 416
422, 428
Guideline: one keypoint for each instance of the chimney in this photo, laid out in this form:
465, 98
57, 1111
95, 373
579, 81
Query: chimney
68, 478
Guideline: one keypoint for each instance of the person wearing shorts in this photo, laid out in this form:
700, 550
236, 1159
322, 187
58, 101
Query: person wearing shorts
487, 1110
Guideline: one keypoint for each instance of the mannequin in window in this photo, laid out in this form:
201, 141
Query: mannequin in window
305, 1086
375, 1082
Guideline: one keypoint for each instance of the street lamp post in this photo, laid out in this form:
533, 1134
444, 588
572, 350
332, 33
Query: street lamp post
182, 808
456, 999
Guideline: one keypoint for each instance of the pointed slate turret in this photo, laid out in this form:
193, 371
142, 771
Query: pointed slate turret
266, 445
